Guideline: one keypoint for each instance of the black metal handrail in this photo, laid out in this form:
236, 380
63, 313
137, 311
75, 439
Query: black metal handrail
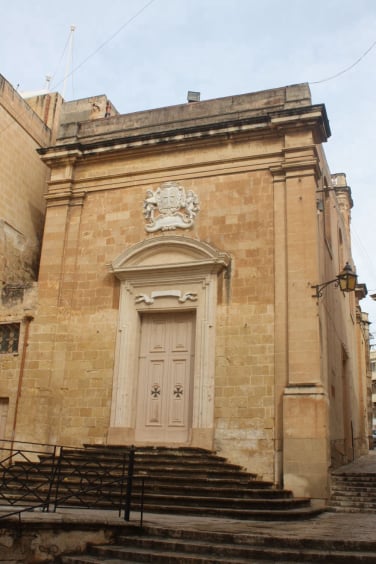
71, 479
19, 468
79, 477
60, 503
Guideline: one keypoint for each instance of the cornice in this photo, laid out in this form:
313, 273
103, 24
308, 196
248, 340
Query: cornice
313, 117
295, 164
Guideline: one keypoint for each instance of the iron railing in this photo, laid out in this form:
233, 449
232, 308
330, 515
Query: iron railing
45, 477
27, 473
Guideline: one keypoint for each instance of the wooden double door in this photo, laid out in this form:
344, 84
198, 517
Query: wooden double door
165, 378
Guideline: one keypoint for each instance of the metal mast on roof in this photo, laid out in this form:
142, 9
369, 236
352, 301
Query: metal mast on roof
69, 58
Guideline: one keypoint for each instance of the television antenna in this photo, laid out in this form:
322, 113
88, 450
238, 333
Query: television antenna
69, 58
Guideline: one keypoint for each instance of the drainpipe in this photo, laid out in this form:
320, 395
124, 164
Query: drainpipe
28, 319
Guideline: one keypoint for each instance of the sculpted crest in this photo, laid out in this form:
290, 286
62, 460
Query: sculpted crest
170, 207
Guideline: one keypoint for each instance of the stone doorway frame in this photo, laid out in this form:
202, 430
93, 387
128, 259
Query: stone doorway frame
165, 274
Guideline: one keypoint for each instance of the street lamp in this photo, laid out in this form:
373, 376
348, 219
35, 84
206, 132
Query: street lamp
345, 280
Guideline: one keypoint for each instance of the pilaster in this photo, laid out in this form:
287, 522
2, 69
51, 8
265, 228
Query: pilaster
302, 403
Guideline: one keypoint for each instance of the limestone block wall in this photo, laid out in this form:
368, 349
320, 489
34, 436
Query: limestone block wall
71, 354
22, 185
18, 306
23, 181
245, 388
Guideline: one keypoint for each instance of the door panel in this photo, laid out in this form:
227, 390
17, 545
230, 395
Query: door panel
178, 405
165, 377
154, 398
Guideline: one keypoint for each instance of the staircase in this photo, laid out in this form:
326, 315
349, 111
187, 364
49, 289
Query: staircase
353, 492
182, 481
191, 481
160, 544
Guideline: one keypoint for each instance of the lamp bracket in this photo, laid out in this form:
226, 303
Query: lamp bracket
319, 288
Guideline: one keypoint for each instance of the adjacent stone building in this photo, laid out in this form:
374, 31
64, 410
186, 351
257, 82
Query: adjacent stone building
373, 379
23, 179
175, 288
27, 122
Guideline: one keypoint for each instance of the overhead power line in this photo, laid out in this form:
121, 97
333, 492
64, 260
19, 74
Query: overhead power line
125, 24
347, 68
87, 58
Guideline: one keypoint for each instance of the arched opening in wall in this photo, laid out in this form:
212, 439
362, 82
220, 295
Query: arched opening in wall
164, 374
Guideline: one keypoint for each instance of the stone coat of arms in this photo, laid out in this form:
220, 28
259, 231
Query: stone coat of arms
170, 207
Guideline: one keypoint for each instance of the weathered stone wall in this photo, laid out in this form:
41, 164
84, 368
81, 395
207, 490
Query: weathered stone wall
34, 541
26, 126
22, 184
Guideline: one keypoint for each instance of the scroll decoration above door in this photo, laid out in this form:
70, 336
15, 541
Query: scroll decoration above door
182, 297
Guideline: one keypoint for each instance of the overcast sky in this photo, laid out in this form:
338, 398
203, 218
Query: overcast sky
148, 53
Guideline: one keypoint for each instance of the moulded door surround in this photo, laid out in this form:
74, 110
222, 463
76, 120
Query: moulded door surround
176, 276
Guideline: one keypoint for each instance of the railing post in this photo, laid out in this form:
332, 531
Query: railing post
128, 494
142, 501
52, 482
122, 483
58, 475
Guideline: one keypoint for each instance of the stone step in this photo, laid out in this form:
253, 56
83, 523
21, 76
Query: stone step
259, 509
168, 503
271, 538
266, 513
152, 491
350, 509
232, 485
354, 486
359, 496
340, 473
225, 502
219, 476
355, 483
213, 482
180, 468
162, 558
147, 548
354, 491
162, 456
352, 506
225, 491
354, 479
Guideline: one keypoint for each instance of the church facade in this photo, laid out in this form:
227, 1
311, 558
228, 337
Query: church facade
177, 301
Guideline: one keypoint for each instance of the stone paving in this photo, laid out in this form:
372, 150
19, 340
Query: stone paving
364, 464
327, 526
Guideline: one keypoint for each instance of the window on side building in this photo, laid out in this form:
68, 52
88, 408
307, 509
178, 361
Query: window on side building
9, 337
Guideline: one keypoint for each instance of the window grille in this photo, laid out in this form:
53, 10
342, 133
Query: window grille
9, 337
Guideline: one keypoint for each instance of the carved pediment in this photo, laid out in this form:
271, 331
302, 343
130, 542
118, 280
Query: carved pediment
167, 253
